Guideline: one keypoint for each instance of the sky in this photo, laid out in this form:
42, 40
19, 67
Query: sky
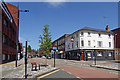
64, 18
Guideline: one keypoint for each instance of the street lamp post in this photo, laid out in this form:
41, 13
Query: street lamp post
18, 30
72, 40
115, 40
26, 62
54, 48
115, 46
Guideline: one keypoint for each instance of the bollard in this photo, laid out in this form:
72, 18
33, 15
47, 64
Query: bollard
39, 66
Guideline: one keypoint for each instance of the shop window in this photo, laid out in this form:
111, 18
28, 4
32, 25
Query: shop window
99, 54
4, 57
110, 54
89, 55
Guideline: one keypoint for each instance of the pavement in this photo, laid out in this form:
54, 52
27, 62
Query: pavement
109, 64
9, 70
68, 70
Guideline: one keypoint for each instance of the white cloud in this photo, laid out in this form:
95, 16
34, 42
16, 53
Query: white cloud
55, 3
55, 0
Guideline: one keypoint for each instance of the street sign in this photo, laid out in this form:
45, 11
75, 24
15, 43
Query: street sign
54, 48
18, 56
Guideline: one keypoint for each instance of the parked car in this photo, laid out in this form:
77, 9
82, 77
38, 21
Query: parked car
43, 57
48, 57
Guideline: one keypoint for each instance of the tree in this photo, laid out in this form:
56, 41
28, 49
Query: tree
45, 40
29, 48
40, 53
36, 52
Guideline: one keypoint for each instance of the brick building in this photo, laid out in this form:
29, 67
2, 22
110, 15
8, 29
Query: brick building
60, 44
117, 42
9, 32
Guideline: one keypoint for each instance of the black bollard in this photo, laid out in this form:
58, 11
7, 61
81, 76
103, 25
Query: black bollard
39, 66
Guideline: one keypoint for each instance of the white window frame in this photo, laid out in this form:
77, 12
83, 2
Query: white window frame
89, 43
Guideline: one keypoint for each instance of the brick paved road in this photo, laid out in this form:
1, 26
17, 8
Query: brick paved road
81, 71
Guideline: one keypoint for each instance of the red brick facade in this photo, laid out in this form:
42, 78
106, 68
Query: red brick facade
60, 44
9, 33
117, 43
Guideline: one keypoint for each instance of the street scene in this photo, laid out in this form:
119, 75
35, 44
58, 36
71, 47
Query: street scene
59, 40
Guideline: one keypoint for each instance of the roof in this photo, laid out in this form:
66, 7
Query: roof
92, 29
60, 37
116, 29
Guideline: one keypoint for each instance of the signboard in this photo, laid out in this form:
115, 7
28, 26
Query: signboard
54, 48
61, 52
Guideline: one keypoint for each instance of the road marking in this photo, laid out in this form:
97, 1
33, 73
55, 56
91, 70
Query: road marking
10, 64
48, 74
78, 77
69, 73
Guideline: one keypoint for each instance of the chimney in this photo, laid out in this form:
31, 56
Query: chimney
107, 28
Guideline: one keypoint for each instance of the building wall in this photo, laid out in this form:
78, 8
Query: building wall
0, 35
117, 43
9, 31
60, 44
93, 38
75, 50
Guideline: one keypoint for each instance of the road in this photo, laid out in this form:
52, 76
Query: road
79, 71
58, 75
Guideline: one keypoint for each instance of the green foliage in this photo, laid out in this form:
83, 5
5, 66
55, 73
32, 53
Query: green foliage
41, 52
36, 52
45, 39
29, 48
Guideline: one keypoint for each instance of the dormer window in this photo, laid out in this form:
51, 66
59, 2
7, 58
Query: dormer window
88, 33
99, 35
82, 33
109, 35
